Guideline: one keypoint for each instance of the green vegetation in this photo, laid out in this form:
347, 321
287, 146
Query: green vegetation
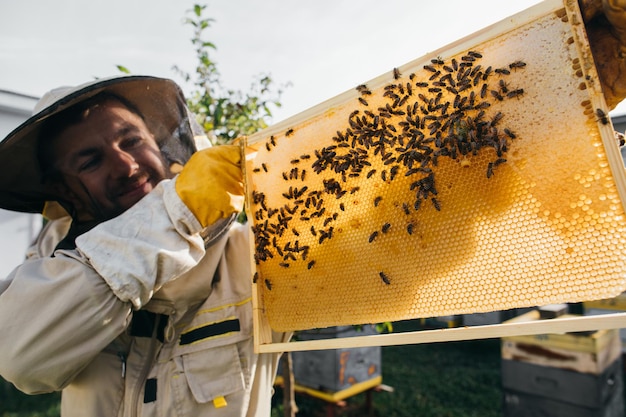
225, 113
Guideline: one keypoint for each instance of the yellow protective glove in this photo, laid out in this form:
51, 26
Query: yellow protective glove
211, 183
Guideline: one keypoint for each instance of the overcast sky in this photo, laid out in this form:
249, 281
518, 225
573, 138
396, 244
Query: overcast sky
321, 47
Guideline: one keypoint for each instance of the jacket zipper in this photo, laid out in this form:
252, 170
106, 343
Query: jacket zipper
143, 376
122, 357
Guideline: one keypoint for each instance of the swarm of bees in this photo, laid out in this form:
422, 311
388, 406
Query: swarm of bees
445, 114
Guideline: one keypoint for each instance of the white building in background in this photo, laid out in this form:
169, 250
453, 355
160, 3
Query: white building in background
17, 230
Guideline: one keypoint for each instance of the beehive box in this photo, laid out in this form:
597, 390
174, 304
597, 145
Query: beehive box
586, 352
533, 390
337, 369
481, 177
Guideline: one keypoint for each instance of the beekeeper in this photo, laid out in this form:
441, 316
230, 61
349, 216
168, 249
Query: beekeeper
136, 298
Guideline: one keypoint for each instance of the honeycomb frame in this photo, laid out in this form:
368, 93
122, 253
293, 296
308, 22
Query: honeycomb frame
483, 176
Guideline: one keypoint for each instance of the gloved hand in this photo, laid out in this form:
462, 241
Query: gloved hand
211, 183
605, 22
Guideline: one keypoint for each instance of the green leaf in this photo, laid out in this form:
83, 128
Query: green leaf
123, 69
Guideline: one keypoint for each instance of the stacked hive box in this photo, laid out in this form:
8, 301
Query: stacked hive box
562, 375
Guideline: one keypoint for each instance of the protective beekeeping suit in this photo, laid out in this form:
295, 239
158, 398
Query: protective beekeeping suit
136, 298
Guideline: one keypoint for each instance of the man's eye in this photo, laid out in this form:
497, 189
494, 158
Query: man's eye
131, 142
88, 164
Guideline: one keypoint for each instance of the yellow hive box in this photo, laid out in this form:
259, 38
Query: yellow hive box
481, 177
582, 352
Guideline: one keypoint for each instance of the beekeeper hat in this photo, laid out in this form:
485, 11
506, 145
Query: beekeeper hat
160, 101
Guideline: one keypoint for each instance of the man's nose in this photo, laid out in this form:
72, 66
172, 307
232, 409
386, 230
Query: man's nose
123, 164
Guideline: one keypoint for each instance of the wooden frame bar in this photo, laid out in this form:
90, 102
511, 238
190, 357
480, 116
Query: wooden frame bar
562, 325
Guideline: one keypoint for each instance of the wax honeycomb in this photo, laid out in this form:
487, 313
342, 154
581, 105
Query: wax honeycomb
475, 179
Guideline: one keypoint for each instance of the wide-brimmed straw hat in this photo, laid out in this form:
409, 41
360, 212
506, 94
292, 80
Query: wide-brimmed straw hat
160, 101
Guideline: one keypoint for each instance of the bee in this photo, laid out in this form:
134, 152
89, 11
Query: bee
373, 236
430, 68
405, 207
475, 54
394, 171
509, 133
289, 132
384, 277
502, 71
497, 95
515, 93
267, 146
372, 172
272, 141
363, 89
264, 167
496, 118
342, 207
255, 278
295, 161
363, 101
498, 162
483, 91
602, 117
487, 73
310, 265
305, 156
421, 84
517, 64
503, 86
396, 73
435, 75
386, 227
409, 228
490, 170
256, 170
268, 284
436, 203
377, 201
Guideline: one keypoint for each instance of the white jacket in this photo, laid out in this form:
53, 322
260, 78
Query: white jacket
73, 321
